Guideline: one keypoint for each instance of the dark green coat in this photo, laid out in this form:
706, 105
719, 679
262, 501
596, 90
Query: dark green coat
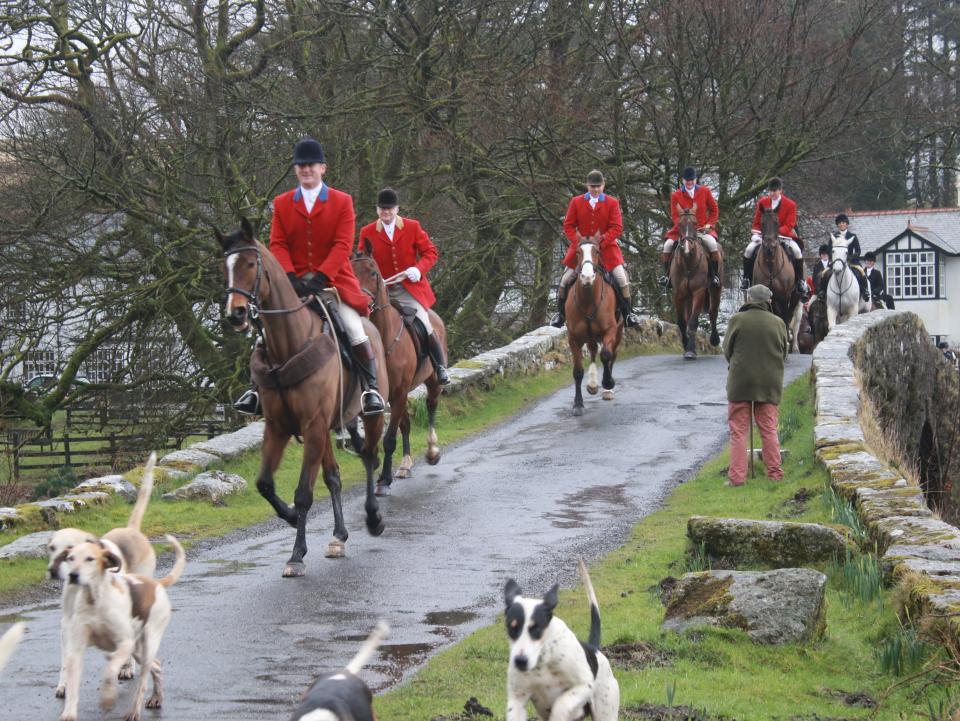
755, 345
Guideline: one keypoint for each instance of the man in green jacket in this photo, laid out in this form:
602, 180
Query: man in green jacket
755, 346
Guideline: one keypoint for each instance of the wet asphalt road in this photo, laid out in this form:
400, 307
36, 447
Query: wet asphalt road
523, 500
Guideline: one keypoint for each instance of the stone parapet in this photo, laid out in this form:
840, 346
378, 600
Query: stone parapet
915, 545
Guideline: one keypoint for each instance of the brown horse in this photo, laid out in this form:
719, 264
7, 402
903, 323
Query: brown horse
407, 368
690, 278
773, 268
307, 390
591, 312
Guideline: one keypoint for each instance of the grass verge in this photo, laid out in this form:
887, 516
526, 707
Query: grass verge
713, 673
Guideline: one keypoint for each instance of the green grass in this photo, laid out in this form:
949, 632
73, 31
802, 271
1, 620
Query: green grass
720, 672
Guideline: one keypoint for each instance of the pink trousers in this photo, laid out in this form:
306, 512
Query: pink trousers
738, 418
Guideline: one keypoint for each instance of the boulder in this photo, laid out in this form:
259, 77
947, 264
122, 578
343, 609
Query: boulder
9, 517
769, 543
189, 460
115, 485
33, 545
212, 485
786, 605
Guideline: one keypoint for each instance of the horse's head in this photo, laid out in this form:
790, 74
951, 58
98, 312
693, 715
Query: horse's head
769, 228
368, 274
588, 256
838, 258
243, 269
687, 225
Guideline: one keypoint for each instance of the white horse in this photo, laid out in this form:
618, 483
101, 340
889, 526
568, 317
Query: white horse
843, 290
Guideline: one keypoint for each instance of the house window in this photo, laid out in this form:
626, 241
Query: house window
39, 362
102, 365
912, 273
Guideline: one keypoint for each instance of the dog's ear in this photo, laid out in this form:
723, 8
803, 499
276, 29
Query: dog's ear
510, 592
58, 561
110, 559
550, 599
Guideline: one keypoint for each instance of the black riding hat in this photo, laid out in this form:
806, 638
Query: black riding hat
824, 249
870, 255
387, 198
689, 173
306, 151
842, 218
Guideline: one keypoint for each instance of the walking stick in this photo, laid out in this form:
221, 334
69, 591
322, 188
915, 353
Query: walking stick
752, 473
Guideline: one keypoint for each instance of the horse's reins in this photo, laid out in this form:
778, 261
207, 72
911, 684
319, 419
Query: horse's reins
374, 306
589, 317
844, 265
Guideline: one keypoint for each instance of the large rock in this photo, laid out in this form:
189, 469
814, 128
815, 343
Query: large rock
212, 486
781, 606
188, 459
769, 543
9, 517
33, 545
116, 485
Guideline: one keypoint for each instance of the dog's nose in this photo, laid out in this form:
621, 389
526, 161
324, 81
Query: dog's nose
53, 574
521, 662
74, 578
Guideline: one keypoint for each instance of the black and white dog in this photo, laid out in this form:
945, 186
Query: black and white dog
343, 696
566, 679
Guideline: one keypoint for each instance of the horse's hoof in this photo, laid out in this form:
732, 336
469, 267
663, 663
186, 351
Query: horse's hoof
294, 569
336, 548
578, 410
690, 355
382, 489
715, 340
375, 526
592, 390
432, 459
607, 394
401, 473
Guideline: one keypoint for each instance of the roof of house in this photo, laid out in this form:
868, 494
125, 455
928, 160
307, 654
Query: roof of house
939, 226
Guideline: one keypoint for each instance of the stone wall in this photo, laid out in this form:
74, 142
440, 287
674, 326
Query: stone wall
878, 381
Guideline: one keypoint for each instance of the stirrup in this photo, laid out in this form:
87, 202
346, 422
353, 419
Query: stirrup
664, 281
371, 403
715, 281
631, 320
248, 404
558, 321
745, 283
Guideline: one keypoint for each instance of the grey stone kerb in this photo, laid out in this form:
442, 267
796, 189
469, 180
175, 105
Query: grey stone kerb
891, 507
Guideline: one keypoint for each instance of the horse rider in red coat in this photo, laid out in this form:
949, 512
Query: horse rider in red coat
595, 215
400, 245
787, 219
691, 194
312, 236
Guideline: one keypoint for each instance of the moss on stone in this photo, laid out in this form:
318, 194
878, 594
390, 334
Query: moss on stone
703, 594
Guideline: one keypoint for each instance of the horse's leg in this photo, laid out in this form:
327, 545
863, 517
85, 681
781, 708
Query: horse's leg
797, 318
372, 430
693, 321
316, 443
389, 446
680, 307
271, 452
355, 440
714, 309
406, 463
576, 352
434, 389
331, 477
831, 312
592, 385
608, 355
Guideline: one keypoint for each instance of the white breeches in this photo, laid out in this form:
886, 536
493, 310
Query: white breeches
790, 244
709, 242
352, 324
401, 296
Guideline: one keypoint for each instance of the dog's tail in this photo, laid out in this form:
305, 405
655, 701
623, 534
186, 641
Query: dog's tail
143, 497
178, 565
375, 638
594, 638
9, 642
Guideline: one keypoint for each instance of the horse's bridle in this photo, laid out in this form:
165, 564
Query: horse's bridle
374, 306
253, 294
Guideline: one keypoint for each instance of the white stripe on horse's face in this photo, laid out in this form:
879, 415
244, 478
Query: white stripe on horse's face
231, 262
587, 271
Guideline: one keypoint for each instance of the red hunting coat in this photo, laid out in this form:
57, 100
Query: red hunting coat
786, 214
411, 246
605, 218
320, 241
707, 211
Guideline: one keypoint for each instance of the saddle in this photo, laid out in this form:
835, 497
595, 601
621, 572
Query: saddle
418, 332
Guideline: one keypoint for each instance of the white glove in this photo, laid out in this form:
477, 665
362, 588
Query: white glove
756, 238
413, 273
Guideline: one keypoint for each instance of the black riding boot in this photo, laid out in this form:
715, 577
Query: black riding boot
665, 278
864, 290
371, 401
559, 320
435, 351
713, 270
249, 403
802, 288
747, 273
626, 309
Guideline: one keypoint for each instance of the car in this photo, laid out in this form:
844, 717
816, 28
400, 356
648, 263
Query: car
44, 382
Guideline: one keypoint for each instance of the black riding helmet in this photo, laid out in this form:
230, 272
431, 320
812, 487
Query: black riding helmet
842, 218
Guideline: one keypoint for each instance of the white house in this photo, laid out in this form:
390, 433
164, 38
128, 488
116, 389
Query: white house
918, 252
